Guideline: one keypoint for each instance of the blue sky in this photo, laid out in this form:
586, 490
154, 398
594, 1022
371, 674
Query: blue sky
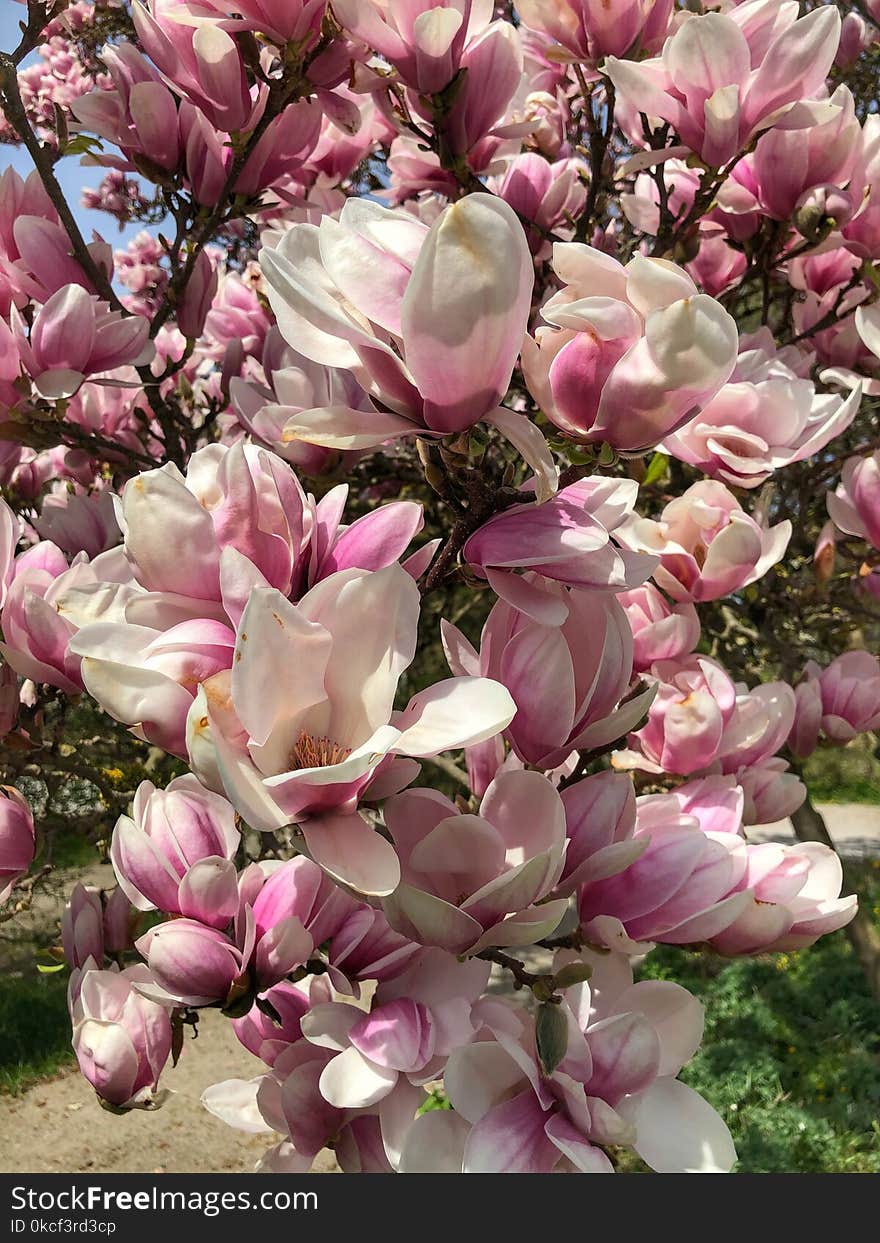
70, 173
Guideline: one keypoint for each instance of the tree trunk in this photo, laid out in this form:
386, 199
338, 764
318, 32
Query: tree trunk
863, 936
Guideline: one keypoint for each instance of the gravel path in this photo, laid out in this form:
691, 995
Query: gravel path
854, 827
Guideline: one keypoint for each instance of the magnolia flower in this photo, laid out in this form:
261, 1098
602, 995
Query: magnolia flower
551, 196
788, 163
855, 505
49, 602
200, 965
305, 749
78, 522
201, 62
767, 416
121, 1038
630, 353
696, 880
75, 336
660, 631
841, 701
424, 40
708, 546
469, 882
695, 701
174, 852
425, 331
568, 681
567, 539
17, 838
615, 1084
82, 928
590, 30
722, 78
413, 1025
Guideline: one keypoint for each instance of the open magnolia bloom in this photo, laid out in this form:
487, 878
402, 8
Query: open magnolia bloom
615, 1085
626, 354
431, 335
428, 332
767, 416
505, 861
296, 730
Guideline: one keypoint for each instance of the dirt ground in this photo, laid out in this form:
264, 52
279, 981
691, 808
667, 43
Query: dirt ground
57, 1126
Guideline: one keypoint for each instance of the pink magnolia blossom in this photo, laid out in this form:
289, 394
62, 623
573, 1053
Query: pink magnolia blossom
10, 533
721, 78
121, 1038
254, 527
854, 506
287, 21
840, 701
862, 233
200, 965
771, 792
139, 114
202, 64
789, 163
616, 1084
191, 963
694, 705
288, 1101
236, 316
551, 196
767, 416
469, 882
306, 752
45, 264
47, 604
267, 1037
708, 546
344, 291
82, 928
761, 722
694, 882
660, 631
78, 521
366, 947
19, 198
293, 384
17, 839
630, 353
415, 1022
569, 681
590, 30
147, 676
600, 816
246, 513
174, 852
567, 539
423, 40
75, 336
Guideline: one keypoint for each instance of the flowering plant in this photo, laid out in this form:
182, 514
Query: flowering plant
434, 489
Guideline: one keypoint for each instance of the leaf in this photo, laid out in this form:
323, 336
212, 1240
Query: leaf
44, 969
656, 469
82, 144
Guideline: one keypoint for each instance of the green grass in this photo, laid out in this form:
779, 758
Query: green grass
34, 1028
845, 774
791, 1056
